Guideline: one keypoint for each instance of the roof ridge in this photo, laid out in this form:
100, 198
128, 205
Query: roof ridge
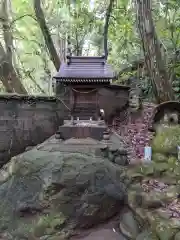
86, 57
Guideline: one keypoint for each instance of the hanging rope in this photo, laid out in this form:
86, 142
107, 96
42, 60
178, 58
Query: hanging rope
84, 92
63, 103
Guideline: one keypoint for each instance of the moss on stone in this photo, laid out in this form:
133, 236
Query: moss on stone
153, 169
167, 140
159, 157
49, 224
177, 236
147, 235
150, 202
164, 228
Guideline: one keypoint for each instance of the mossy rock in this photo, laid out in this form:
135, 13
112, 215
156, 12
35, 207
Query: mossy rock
156, 168
167, 140
140, 171
86, 189
160, 167
177, 236
147, 235
148, 170
165, 229
159, 157
138, 198
172, 161
129, 226
49, 224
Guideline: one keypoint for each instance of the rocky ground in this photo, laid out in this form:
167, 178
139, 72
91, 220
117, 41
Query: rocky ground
48, 194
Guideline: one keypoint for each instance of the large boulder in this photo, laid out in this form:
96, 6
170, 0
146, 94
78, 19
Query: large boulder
44, 190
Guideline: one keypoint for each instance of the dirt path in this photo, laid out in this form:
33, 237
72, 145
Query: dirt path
102, 234
107, 231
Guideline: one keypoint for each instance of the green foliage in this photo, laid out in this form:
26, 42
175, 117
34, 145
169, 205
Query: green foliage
167, 140
176, 88
84, 22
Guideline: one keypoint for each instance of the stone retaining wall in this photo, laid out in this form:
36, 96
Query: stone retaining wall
26, 121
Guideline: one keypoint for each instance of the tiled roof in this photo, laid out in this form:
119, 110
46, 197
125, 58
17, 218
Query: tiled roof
88, 69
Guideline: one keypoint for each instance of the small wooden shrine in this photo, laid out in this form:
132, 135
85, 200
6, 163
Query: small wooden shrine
84, 76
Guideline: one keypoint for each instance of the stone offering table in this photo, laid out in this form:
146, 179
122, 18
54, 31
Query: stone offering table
83, 129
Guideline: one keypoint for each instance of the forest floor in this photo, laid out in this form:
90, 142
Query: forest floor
133, 127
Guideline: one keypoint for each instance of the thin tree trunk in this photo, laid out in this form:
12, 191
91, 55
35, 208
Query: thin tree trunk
36, 84
3, 66
61, 44
152, 51
28, 74
8, 74
46, 34
106, 27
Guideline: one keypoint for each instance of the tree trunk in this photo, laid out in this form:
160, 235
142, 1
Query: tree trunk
10, 79
8, 74
62, 46
106, 27
152, 51
46, 34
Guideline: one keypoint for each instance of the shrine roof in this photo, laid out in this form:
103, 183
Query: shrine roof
85, 69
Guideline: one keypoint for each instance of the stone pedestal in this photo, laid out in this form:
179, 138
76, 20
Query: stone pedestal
83, 129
